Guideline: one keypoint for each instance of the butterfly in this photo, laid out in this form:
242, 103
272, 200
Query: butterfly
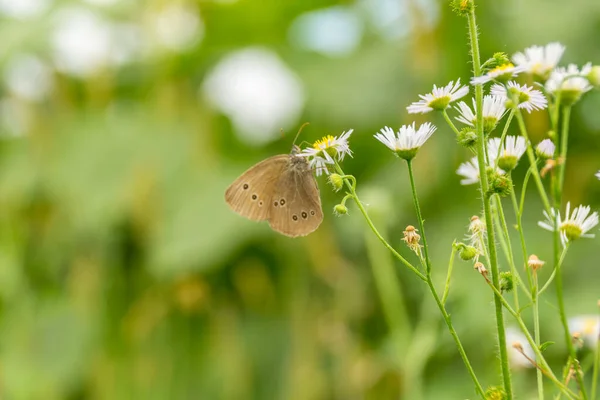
281, 190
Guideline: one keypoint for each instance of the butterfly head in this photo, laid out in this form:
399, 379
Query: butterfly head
296, 150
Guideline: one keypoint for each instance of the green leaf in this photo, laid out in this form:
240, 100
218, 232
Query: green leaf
545, 345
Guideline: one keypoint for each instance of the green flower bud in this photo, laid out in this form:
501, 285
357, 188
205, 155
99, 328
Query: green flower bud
499, 184
495, 393
468, 253
594, 76
340, 209
498, 59
462, 7
467, 138
336, 181
506, 282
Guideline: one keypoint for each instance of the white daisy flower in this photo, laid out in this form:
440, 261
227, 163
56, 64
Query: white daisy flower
515, 343
529, 99
598, 175
407, 141
493, 111
326, 150
470, 171
570, 82
507, 155
540, 60
545, 149
574, 226
588, 327
502, 73
439, 98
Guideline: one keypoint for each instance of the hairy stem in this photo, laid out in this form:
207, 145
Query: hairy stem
432, 289
564, 144
481, 155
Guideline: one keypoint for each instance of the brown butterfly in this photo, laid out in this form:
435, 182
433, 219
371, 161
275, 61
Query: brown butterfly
282, 190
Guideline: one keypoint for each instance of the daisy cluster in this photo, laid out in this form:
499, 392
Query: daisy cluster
554, 85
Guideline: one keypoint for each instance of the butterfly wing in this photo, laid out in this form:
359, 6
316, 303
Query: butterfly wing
250, 194
296, 203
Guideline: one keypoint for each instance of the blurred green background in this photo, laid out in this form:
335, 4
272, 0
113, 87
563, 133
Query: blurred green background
124, 275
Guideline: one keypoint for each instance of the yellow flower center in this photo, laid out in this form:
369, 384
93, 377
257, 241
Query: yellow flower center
441, 103
325, 144
571, 230
503, 67
502, 73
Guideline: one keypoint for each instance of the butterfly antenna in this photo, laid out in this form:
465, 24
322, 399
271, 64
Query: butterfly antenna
300, 130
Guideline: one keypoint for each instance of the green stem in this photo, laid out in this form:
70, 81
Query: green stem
553, 275
518, 215
524, 190
449, 275
504, 237
541, 361
372, 226
533, 281
563, 319
450, 123
596, 365
419, 216
481, 154
505, 131
536, 331
564, 144
432, 289
533, 162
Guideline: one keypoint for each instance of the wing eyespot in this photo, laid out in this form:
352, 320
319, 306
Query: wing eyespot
275, 204
304, 214
312, 212
254, 197
260, 203
295, 217
282, 202
245, 186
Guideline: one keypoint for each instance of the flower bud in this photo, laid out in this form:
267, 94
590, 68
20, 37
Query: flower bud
545, 149
498, 60
594, 76
495, 393
468, 252
462, 7
336, 181
499, 184
340, 209
506, 282
467, 138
